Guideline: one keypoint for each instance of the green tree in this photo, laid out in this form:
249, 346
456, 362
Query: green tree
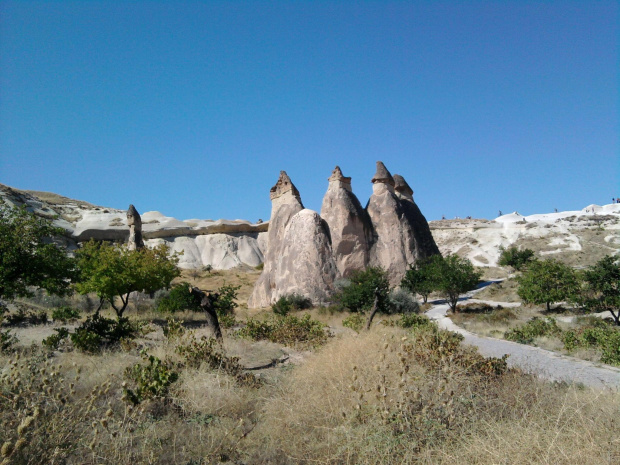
546, 282
421, 278
517, 259
29, 257
113, 271
359, 295
603, 287
455, 276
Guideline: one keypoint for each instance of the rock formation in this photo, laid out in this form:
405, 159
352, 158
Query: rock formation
349, 224
424, 244
285, 203
135, 229
305, 264
393, 247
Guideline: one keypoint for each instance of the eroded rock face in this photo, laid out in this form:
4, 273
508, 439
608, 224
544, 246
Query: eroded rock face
285, 203
424, 244
305, 264
134, 222
393, 245
349, 224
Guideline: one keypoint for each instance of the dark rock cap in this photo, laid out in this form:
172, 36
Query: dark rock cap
133, 217
402, 187
338, 176
382, 175
283, 186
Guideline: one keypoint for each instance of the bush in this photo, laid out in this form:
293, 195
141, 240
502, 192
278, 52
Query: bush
54, 341
597, 335
290, 302
98, 331
286, 330
359, 294
413, 320
402, 301
225, 303
354, 321
517, 259
536, 327
65, 314
7, 341
152, 380
23, 317
178, 299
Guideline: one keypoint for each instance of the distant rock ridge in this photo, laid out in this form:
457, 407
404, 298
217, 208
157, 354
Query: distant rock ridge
307, 252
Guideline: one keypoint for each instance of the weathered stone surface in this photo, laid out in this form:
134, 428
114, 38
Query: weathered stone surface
424, 244
135, 241
349, 224
285, 203
305, 264
393, 246
221, 251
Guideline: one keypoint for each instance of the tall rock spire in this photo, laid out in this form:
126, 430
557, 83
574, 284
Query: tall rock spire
285, 203
349, 225
135, 229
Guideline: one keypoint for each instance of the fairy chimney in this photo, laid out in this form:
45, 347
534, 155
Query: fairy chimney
135, 229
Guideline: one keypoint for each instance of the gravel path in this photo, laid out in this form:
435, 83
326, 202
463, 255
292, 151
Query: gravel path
545, 364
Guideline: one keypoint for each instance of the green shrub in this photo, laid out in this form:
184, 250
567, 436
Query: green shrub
174, 329
286, 330
402, 301
225, 303
290, 302
152, 380
227, 320
65, 314
7, 341
359, 294
98, 331
517, 259
355, 321
536, 327
23, 317
598, 335
54, 341
413, 320
177, 299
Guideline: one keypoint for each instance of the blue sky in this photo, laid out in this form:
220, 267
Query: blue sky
193, 108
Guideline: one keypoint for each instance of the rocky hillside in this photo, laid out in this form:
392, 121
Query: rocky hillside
223, 244
578, 238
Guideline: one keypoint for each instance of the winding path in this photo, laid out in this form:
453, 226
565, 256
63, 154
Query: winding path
544, 363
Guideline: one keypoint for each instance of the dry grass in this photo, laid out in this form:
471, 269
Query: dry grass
368, 398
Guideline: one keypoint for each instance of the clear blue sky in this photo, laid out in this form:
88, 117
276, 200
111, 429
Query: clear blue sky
193, 108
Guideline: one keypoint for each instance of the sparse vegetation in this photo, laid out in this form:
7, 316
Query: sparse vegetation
536, 327
287, 330
515, 258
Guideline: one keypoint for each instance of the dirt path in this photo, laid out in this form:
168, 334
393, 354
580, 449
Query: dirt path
545, 364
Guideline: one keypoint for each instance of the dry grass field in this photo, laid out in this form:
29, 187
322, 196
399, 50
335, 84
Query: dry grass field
385, 396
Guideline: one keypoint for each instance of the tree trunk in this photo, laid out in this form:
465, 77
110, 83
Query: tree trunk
375, 307
548, 306
206, 303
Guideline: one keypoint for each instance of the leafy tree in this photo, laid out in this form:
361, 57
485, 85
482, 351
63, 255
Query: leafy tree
603, 281
28, 257
546, 282
517, 259
421, 278
359, 295
455, 276
115, 271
